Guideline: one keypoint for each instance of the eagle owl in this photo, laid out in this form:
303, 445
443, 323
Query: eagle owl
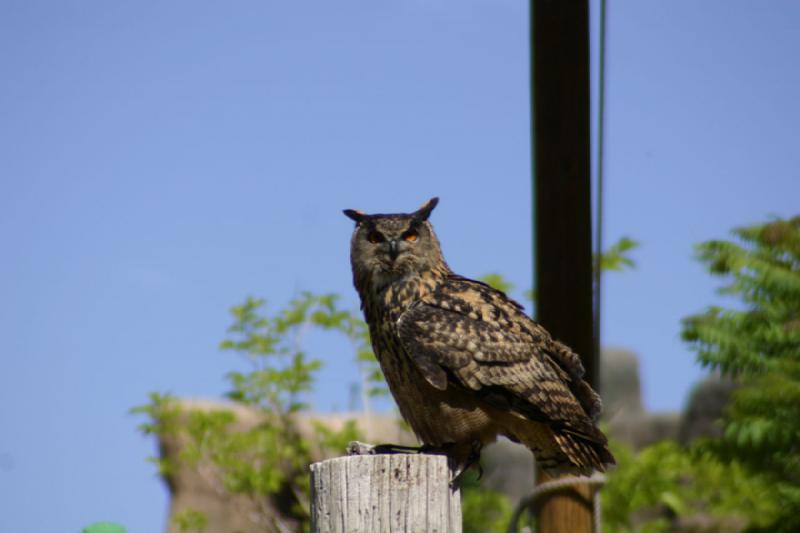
462, 360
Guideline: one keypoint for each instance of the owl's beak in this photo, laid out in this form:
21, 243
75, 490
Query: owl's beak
393, 249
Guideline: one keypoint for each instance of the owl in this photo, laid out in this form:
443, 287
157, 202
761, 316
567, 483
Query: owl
462, 360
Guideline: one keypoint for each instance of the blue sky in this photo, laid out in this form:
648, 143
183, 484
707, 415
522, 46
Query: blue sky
159, 161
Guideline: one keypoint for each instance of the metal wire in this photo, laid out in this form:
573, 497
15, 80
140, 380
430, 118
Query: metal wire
601, 105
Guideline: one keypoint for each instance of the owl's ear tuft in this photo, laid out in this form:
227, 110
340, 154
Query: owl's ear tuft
354, 214
425, 209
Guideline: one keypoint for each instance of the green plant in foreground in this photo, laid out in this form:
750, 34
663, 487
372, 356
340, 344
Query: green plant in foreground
665, 480
483, 509
749, 477
758, 343
270, 459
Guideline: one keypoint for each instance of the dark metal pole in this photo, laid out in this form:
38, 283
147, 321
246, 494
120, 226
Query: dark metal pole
562, 208
562, 184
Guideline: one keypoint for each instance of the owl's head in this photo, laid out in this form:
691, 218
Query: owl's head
385, 248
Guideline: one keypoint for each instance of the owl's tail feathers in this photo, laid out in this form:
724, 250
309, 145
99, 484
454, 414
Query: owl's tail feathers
584, 455
561, 451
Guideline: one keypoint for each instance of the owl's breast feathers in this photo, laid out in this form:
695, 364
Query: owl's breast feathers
471, 340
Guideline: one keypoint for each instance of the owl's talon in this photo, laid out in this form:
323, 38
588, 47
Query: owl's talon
393, 449
362, 448
443, 449
359, 448
473, 459
458, 477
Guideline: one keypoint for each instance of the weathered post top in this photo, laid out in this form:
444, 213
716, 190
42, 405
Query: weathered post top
384, 493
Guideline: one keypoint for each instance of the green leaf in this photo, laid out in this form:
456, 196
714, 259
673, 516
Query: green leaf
104, 527
617, 256
497, 281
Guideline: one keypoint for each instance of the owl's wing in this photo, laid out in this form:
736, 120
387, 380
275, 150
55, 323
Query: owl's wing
467, 334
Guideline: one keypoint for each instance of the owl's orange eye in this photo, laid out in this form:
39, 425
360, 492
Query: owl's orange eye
375, 237
411, 235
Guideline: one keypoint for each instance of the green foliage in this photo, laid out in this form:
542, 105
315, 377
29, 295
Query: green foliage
483, 509
190, 520
104, 527
750, 475
764, 273
269, 460
758, 343
265, 341
617, 256
161, 414
498, 281
329, 439
163, 418
667, 480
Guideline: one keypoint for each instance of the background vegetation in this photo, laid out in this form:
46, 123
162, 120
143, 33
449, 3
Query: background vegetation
749, 477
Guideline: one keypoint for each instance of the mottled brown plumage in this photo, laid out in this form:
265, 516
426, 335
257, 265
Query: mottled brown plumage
462, 360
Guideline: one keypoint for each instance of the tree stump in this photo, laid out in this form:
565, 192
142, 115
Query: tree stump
384, 493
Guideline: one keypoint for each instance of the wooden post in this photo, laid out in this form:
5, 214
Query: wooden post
562, 208
384, 493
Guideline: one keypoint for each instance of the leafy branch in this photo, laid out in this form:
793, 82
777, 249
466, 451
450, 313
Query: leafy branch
266, 462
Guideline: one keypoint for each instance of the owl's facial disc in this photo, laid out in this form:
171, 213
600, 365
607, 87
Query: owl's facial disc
386, 248
395, 242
